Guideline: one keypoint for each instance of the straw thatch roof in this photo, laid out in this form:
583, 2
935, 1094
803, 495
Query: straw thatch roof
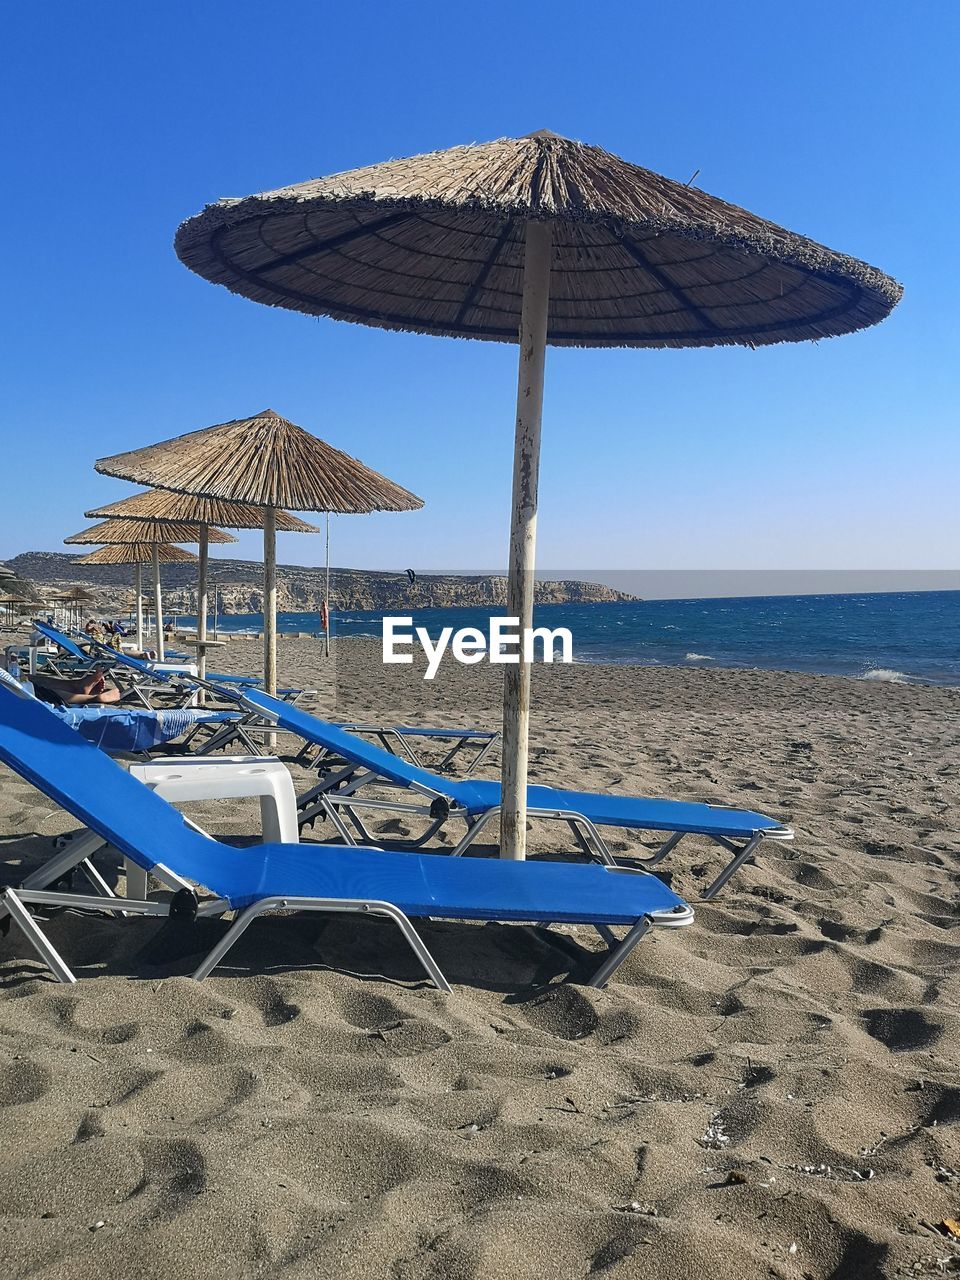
162, 504
264, 460
137, 553
119, 531
435, 244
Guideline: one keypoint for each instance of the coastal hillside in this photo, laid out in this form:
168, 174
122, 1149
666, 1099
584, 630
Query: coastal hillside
239, 585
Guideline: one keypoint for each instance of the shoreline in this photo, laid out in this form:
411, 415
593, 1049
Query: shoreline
875, 675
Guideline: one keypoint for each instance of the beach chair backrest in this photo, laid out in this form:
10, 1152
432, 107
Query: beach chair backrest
36, 744
120, 658
62, 641
358, 751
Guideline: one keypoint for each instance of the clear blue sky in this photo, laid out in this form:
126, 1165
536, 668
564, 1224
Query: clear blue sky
837, 120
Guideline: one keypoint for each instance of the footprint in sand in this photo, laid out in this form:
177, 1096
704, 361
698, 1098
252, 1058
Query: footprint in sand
23, 1080
902, 1030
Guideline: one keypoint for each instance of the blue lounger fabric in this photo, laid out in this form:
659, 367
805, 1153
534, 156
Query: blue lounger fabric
135, 730
121, 658
115, 728
477, 796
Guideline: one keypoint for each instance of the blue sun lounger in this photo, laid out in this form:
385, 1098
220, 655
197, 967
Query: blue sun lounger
169, 674
214, 678
137, 680
353, 764
131, 730
118, 810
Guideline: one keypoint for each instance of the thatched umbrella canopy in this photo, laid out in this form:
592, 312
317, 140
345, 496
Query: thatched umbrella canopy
152, 532
543, 240
137, 553
121, 531
163, 504
271, 463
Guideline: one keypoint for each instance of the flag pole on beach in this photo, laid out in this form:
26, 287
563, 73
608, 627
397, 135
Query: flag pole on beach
326, 596
138, 577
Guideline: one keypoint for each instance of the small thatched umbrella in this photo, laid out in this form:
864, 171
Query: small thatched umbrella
271, 463
77, 598
543, 240
138, 554
153, 532
8, 603
162, 504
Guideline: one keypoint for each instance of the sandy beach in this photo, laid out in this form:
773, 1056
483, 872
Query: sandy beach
774, 1091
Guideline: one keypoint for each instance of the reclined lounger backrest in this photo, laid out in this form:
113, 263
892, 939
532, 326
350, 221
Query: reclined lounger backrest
95, 790
61, 641
364, 754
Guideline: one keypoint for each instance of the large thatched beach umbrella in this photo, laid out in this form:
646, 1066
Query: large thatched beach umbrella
538, 240
162, 504
271, 463
154, 532
138, 554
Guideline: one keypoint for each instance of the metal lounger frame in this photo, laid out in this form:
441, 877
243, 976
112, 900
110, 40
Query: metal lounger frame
14, 902
397, 739
339, 791
393, 738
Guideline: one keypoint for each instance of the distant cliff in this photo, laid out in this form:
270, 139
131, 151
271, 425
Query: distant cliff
239, 585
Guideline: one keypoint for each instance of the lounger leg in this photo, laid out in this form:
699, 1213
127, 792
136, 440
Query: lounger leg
331, 906
607, 934
731, 868
617, 957
474, 827
96, 879
479, 759
73, 853
36, 937
330, 811
667, 847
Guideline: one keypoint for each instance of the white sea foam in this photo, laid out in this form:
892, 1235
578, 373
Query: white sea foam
699, 657
886, 676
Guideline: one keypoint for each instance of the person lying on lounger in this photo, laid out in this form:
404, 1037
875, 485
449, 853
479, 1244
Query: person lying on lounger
76, 692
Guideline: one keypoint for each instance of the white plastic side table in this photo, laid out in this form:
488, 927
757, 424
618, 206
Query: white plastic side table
222, 778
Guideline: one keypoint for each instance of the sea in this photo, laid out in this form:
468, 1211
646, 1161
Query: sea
897, 637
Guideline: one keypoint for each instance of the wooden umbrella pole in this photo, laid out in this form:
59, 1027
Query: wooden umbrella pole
523, 534
326, 596
202, 602
138, 583
270, 599
157, 602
